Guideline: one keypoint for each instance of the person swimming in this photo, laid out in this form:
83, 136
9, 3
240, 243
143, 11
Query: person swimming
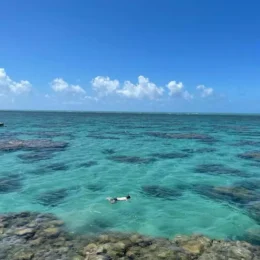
115, 200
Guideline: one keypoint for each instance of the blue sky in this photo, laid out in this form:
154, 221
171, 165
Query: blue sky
180, 56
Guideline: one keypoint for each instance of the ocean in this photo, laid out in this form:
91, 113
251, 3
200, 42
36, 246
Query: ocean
185, 173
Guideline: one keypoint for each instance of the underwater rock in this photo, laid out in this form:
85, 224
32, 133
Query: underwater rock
231, 194
131, 159
254, 155
35, 156
10, 183
15, 145
88, 164
50, 168
252, 235
51, 134
102, 137
247, 143
173, 155
108, 151
94, 187
218, 169
161, 192
192, 136
250, 184
52, 198
57, 167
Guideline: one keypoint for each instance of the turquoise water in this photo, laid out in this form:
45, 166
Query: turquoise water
153, 157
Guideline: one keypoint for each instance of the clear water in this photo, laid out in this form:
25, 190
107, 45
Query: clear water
84, 207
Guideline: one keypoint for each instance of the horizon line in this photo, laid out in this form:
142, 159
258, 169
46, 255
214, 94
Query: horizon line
127, 112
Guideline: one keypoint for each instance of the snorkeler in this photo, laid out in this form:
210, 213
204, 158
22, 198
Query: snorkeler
115, 200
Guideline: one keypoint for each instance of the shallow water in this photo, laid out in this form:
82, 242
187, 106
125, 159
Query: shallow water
156, 158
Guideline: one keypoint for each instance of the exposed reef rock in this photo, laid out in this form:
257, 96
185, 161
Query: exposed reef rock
34, 236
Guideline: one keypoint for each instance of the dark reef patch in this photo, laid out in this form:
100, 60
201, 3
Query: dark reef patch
231, 194
52, 134
102, 137
189, 136
94, 187
35, 156
251, 184
108, 151
131, 159
57, 167
52, 198
88, 164
253, 155
219, 169
50, 168
161, 192
253, 209
10, 183
173, 155
247, 143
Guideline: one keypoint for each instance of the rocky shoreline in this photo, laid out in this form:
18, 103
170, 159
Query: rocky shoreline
36, 236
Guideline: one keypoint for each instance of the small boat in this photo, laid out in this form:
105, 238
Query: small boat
2, 124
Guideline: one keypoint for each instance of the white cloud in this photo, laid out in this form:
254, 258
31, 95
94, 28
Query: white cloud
177, 89
205, 92
77, 89
174, 88
144, 88
104, 85
60, 85
8, 85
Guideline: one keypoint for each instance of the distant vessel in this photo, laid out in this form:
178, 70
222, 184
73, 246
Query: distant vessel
1, 124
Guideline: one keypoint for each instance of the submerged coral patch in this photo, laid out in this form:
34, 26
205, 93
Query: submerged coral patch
108, 151
50, 168
52, 198
10, 183
88, 164
254, 155
232, 194
158, 191
219, 169
131, 159
189, 136
172, 155
102, 137
35, 156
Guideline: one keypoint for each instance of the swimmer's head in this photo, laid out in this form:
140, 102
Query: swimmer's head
128, 197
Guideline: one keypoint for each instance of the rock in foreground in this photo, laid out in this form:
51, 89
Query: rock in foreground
34, 236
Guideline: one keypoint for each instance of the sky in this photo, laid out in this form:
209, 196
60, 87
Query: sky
122, 55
